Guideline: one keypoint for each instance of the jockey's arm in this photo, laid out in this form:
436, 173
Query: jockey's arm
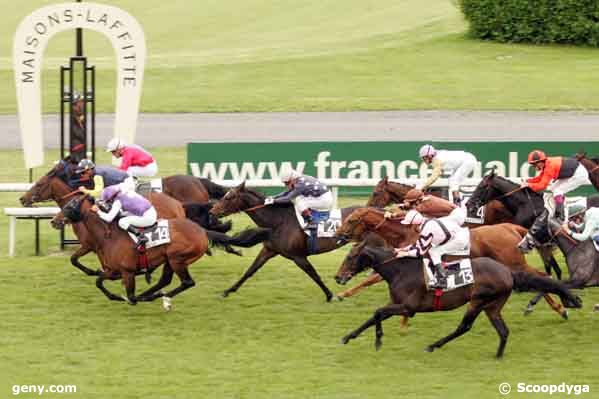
420, 247
286, 197
539, 182
114, 210
98, 187
590, 228
125, 160
437, 170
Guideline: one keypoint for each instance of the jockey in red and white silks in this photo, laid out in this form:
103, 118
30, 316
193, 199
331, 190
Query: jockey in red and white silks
136, 161
457, 164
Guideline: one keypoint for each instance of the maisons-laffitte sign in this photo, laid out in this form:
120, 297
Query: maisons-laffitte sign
30, 41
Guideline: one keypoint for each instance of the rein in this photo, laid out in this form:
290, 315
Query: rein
71, 194
594, 169
511, 192
254, 208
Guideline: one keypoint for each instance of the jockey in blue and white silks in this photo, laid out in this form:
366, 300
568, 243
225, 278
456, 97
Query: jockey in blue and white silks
305, 192
457, 164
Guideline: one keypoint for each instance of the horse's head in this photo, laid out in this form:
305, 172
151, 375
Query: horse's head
352, 263
44, 188
236, 200
380, 195
353, 226
581, 155
58, 221
73, 211
484, 193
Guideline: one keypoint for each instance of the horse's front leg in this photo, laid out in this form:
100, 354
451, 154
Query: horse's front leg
82, 251
264, 255
307, 267
100, 284
165, 279
129, 283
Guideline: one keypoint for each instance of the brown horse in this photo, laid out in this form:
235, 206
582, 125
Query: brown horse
592, 166
498, 242
286, 239
188, 188
409, 294
119, 258
387, 192
52, 187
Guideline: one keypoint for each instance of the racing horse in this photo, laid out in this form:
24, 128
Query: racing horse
582, 259
387, 192
497, 241
409, 294
188, 243
523, 203
52, 186
286, 235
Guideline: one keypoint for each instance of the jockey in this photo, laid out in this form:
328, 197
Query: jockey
136, 211
306, 193
437, 237
591, 225
559, 175
136, 161
98, 177
426, 204
458, 164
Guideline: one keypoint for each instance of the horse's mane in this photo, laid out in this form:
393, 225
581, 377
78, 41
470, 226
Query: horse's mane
254, 192
214, 190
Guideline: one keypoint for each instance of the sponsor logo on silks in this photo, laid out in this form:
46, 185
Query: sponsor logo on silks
30, 40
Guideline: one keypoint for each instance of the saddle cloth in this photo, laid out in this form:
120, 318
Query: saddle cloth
328, 222
459, 274
145, 187
159, 235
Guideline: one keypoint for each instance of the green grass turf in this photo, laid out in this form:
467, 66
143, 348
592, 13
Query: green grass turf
318, 55
275, 338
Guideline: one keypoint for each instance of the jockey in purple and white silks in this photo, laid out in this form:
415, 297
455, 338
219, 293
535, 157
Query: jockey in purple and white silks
437, 237
305, 192
457, 164
136, 211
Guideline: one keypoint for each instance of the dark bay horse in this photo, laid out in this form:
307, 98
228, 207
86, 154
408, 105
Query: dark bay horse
409, 295
387, 192
592, 166
581, 257
498, 241
286, 239
523, 203
118, 257
51, 187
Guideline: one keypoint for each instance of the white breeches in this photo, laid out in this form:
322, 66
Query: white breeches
322, 203
143, 171
147, 219
459, 243
457, 178
564, 186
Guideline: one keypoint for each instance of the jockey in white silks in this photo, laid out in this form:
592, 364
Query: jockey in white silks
457, 164
306, 193
437, 237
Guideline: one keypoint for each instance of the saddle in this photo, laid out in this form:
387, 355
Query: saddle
146, 187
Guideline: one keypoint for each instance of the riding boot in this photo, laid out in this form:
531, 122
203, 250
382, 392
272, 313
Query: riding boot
536, 234
307, 215
560, 212
457, 199
141, 237
441, 276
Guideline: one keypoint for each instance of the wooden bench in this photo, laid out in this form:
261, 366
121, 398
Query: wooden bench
36, 214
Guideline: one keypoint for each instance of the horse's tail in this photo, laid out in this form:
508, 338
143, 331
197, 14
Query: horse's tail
200, 214
524, 281
214, 190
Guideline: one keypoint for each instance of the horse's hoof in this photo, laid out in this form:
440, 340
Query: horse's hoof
564, 314
337, 298
377, 345
129, 301
167, 303
225, 294
528, 310
596, 308
345, 340
429, 349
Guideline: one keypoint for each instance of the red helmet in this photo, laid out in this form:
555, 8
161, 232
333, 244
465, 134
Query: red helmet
536, 156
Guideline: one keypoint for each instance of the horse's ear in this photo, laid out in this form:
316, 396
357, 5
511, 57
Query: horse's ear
241, 187
386, 179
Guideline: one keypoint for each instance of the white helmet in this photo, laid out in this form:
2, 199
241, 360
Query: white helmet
427, 150
413, 217
114, 144
289, 174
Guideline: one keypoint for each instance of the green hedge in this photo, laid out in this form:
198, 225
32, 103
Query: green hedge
536, 21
